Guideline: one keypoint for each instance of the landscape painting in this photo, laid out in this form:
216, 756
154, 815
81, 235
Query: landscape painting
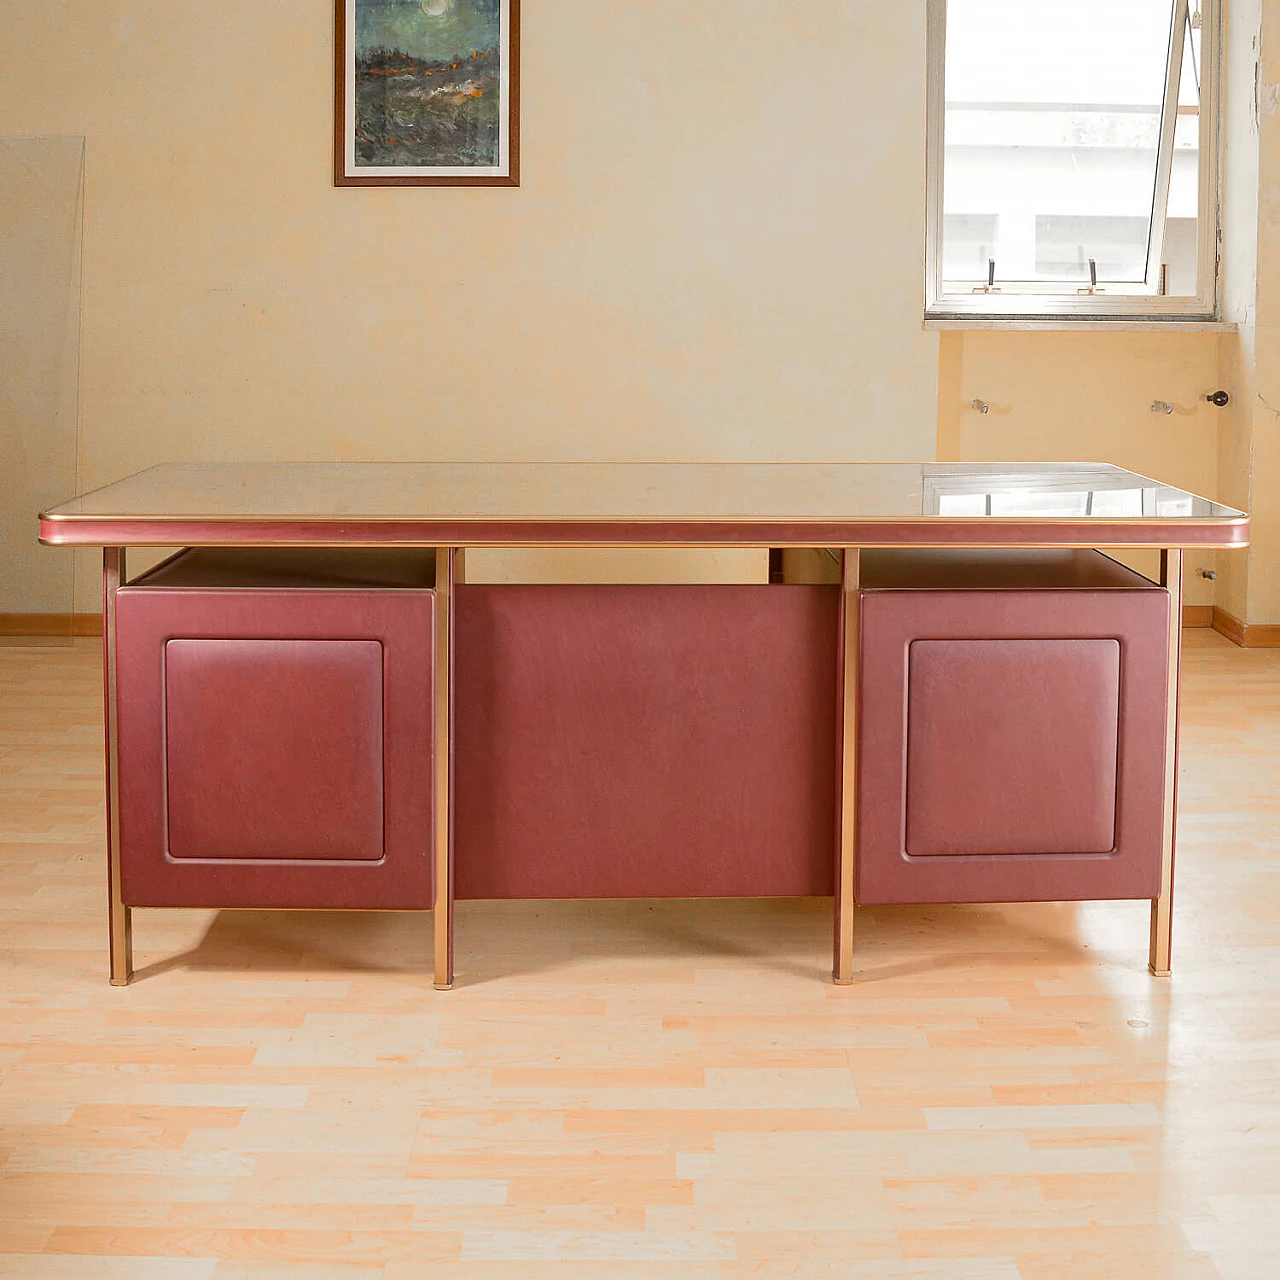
427, 93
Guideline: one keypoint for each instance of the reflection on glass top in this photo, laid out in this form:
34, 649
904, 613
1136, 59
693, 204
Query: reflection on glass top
604, 492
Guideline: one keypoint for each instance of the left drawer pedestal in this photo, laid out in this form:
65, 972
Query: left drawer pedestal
275, 744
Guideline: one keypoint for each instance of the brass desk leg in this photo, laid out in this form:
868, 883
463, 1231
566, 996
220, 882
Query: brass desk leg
1162, 907
846, 850
119, 922
442, 789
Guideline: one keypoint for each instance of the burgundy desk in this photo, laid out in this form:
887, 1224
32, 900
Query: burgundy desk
827, 733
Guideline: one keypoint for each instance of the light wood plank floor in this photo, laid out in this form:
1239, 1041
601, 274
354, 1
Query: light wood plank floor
649, 1090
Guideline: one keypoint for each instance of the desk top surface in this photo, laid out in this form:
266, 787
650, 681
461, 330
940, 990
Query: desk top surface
454, 503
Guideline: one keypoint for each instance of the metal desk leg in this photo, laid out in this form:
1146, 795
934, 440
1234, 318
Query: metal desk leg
442, 785
1162, 907
846, 851
120, 922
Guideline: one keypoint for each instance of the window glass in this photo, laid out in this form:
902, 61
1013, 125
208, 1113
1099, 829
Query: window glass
1052, 160
1066, 241
968, 242
1179, 256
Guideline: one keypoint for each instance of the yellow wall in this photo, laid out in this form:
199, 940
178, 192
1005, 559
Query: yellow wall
1086, 397
715, 252
1235, 467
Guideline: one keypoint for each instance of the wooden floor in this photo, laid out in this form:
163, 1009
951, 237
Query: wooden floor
648, 1089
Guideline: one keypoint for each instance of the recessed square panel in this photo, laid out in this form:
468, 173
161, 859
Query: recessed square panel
1011, 746
274, 749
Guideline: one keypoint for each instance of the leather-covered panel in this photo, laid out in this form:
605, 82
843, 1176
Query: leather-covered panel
401, 622
891, 623
1011, 746
644, 741
273, 749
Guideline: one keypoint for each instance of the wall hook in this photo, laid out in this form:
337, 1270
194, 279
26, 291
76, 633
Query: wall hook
1161, 406
981, 405
1220, 398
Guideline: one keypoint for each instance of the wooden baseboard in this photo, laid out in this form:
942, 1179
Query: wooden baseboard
1197, 615
1255, 637
50, 624
1225, 625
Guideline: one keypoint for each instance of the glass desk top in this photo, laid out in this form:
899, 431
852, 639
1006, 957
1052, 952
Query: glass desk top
636, 502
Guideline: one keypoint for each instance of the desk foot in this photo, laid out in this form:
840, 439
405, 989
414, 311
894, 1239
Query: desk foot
1160, 959
443, 986
120, 945
847, 845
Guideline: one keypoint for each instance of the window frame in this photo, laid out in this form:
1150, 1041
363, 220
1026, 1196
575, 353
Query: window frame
1023, 301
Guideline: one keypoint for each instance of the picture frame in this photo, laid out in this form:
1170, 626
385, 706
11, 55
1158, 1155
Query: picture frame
426, 93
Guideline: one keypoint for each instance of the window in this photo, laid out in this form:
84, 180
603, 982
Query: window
1073, 158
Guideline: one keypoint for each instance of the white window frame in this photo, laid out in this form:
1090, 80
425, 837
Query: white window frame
1022, 301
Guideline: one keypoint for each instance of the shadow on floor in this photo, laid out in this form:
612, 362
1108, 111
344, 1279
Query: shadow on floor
636, 940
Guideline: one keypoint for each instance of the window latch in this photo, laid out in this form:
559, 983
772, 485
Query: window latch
1093, 278
990, 286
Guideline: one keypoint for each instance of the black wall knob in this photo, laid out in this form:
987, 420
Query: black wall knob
1220, 398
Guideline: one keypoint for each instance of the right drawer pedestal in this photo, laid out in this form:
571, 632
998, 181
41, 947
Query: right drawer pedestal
1012, 728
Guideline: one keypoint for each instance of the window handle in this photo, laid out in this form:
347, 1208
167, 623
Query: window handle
1093, 278
990, 286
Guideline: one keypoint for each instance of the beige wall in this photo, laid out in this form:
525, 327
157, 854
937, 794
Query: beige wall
40, 208
715, 252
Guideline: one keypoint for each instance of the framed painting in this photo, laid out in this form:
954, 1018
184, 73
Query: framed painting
427, 93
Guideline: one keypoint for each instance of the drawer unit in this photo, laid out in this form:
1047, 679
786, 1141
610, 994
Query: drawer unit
274, 711
1011, 727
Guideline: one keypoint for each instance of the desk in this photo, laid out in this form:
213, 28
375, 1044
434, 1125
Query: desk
845, 509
